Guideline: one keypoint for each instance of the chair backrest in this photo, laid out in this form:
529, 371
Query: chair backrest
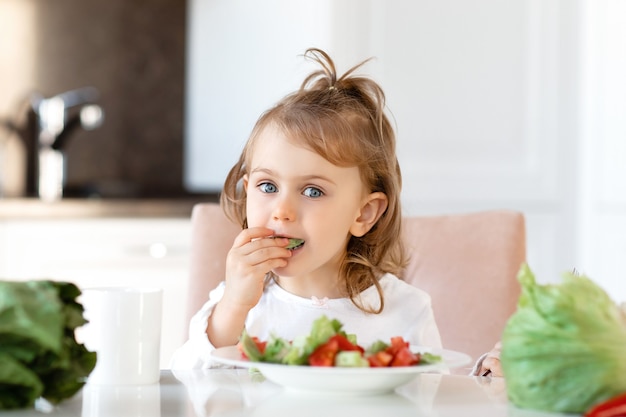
212, 236
468, 263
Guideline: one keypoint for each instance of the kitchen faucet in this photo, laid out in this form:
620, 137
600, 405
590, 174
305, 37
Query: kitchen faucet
50, 122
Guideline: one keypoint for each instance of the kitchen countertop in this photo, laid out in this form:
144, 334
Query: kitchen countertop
33, 208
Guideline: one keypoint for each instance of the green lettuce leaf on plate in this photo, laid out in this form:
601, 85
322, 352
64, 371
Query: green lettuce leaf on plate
322, 329
564, 349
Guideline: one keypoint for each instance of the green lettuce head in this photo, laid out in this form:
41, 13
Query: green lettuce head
39, 355
564, 349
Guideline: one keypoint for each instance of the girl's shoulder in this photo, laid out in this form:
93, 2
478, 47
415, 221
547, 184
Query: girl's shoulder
392, 284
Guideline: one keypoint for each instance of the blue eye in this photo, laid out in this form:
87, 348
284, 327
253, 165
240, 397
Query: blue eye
313, 192
267, 187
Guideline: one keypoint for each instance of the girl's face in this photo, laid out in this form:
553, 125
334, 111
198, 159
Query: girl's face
299, 194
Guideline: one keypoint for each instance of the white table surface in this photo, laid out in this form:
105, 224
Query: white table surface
235, 392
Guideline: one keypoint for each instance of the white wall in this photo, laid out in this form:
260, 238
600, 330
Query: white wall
498, 105
243, 56
602, 244
481, 93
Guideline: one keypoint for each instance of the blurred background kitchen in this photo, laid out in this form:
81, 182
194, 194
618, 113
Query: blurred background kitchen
515, 105
133, 55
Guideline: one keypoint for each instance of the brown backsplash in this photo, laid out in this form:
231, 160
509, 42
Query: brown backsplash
133, 52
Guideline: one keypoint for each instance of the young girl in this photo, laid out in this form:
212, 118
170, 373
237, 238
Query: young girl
320, 167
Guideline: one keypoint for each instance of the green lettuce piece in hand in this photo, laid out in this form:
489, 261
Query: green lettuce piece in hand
564, 349
39, 355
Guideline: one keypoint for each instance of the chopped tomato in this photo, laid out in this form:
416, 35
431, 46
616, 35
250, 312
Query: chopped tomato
345, 344
380, 359
397, 344
398, 353
404, 357
324, 354
259, 344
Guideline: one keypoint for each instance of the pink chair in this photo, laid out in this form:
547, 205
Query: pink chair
468, 263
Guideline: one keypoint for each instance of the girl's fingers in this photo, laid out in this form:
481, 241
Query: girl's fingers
267, 254
257, 238
251, 234
257, 263
270, 264
255, 252
492, 365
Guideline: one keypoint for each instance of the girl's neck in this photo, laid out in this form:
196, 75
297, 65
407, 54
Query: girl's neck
307, 288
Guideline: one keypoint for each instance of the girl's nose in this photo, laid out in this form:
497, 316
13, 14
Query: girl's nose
284, 210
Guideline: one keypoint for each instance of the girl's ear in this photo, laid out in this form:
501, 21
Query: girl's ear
373, 206
245, 182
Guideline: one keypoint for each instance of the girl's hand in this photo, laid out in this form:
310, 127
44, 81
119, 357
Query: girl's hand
252, 256
490, 364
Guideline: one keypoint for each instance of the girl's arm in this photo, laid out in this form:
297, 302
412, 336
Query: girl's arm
226, 324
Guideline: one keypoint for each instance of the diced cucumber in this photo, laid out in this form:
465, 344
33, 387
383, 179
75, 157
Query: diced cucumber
351, 359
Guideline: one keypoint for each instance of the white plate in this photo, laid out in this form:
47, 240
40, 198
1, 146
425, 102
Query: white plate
361, 381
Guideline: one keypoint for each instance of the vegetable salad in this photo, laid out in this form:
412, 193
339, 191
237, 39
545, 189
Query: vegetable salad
329, 345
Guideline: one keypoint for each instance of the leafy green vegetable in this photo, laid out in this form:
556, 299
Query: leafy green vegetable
273, 351
276, 349
39, 356
322, 329
250, 347
564, 349
427, 358
377, 346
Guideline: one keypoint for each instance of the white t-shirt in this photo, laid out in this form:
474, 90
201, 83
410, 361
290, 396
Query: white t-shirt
407, 313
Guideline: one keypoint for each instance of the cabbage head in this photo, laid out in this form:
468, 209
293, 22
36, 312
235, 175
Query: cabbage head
564, 349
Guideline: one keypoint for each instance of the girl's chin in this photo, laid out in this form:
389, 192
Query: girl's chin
284, 273
291, 271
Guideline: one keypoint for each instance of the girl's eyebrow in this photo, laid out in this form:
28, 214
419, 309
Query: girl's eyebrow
310, 177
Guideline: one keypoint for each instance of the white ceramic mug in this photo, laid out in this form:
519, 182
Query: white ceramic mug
124, 328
